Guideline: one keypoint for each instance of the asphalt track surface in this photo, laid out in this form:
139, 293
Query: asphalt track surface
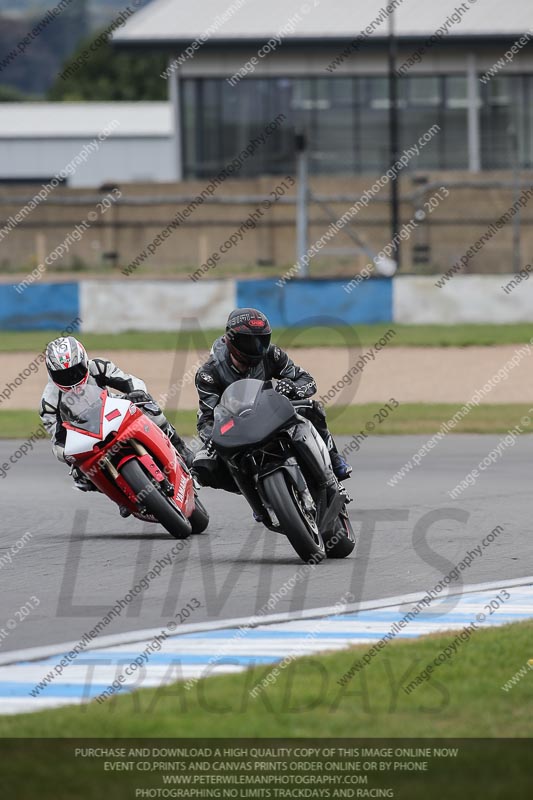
82, 556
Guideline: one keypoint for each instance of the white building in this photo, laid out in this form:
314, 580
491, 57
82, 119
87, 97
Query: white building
297, 60
132, 142
341, 102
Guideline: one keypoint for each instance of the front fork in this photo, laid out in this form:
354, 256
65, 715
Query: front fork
312, 452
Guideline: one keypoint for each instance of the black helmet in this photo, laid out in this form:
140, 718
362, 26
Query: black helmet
248, 335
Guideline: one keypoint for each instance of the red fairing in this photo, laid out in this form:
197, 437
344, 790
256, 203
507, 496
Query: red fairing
138, 426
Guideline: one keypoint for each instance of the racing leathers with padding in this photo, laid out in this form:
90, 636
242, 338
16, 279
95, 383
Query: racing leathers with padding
217, 374
106, 375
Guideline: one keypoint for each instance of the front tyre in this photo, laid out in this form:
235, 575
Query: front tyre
157, 504
296, 522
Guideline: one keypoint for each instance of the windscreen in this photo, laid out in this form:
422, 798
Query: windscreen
241, 395
249, 412
82, 408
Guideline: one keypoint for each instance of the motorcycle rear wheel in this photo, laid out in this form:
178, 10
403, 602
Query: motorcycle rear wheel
341, 542
199, 518
295, 521
154, 501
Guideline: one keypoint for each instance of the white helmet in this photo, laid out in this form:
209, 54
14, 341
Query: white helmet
67, 362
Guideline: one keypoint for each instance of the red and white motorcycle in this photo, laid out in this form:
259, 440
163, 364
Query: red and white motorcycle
129, 459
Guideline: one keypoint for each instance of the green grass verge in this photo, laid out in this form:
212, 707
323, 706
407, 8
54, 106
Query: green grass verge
424, 418
462, 698
360, 335
409, 418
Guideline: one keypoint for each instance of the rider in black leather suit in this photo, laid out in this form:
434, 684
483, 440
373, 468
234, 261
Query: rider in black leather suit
245, 351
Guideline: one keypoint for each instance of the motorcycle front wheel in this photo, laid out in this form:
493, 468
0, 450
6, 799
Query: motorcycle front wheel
296, 522
155, 501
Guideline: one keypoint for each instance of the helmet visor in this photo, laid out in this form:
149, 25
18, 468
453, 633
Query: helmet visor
69, 377
253, 347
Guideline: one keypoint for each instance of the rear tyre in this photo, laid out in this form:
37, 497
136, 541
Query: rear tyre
296, 522
199, 518
341, 541
154, 501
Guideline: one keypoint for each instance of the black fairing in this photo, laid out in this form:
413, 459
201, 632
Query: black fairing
249, 413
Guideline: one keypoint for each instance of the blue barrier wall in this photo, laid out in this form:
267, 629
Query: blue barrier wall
299, 301
51, 306
54, 306
405, 298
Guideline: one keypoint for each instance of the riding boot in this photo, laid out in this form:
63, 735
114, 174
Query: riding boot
184, 451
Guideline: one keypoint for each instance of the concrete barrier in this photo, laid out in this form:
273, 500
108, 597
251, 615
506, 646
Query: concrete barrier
114, 306
171, 305
465, 298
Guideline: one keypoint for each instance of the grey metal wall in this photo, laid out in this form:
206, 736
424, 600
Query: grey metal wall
118, 159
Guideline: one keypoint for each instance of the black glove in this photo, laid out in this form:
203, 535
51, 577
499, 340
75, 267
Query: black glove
140, 396
287, 388
209, 448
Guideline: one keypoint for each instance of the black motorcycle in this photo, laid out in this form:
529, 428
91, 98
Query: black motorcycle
282, 467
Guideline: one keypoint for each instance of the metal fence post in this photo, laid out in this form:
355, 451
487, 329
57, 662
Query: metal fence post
302, 203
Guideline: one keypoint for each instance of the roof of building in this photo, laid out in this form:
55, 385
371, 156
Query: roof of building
180, 21
68, 120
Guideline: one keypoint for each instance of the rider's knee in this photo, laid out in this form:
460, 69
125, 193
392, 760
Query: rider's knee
59, 452
205, 467
212, 472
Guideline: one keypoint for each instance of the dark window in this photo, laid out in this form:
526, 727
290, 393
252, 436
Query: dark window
507, 122
346, 121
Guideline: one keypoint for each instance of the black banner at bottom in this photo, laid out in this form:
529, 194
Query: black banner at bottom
406, 769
